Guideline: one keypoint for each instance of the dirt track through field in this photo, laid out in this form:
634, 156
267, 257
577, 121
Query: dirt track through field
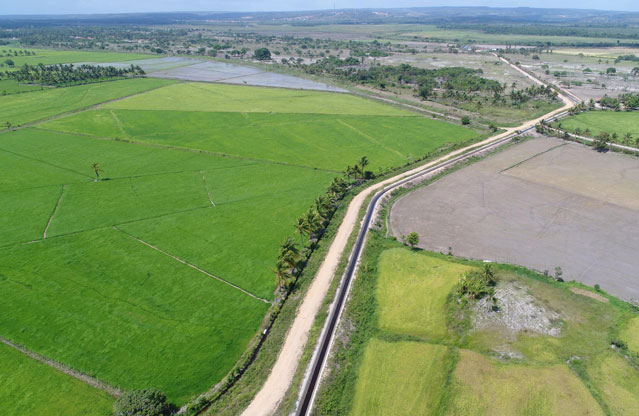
279, 380
91, 381
55, 209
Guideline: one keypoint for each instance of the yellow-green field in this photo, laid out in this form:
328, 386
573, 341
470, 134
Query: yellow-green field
412, 292
630, 335
618, 381
401, 378
482, 386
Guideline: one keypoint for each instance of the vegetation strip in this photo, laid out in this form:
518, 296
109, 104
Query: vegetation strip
91, 381
191, 265
55, 208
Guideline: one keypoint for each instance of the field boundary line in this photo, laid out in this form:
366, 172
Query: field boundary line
188, 149
86, 379
46, 163
118, 123
55, 209
532, 157
191, 265
207, 188
77, 110
369, 137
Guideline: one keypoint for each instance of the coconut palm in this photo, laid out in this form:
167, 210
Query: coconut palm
281, 274
313, 222
289, 253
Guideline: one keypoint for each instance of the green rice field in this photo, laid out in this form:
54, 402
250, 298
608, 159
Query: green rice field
159, 273
28, 387
414, 350
198, 96
23, 108
300, 139
604, 121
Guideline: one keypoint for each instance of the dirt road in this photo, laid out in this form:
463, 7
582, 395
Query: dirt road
281, 376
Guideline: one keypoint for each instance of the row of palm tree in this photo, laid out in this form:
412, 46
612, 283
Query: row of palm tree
62, 74
310, 227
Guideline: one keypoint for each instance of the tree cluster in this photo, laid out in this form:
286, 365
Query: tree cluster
16, 52
148, 402
63, 74
476, 284
629, 101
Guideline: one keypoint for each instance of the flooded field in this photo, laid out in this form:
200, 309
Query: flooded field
191, 69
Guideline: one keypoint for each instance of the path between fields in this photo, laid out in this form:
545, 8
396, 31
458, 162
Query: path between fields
55, 209
591, 140
186, 263
91, 381
279, 380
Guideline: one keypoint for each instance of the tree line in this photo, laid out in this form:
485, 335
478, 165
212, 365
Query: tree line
67, 74
311, 225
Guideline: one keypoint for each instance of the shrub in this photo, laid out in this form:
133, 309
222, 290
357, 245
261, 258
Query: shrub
262, 54
149, 402
465, 120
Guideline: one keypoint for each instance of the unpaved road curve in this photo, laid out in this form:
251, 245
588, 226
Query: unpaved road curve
281, 376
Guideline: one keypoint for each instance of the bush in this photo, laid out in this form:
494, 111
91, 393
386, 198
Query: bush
149, 402
465, 120
262, 54
412, 239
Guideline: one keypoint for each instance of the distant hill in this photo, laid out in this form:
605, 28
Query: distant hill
433, 15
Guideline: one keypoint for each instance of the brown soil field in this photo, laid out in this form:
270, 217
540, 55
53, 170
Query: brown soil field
541, 204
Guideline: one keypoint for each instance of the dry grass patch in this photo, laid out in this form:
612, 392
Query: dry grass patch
484, 387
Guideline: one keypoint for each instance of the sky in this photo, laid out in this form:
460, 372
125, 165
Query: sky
129, 6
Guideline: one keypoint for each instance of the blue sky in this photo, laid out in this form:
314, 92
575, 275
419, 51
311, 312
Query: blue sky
121, 6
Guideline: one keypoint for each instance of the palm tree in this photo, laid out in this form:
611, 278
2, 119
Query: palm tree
289, 253
97, 170
363, 162
322, 205
301, 227
313, 222
281, 274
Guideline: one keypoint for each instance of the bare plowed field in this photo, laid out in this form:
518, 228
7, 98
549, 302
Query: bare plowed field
541, 204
